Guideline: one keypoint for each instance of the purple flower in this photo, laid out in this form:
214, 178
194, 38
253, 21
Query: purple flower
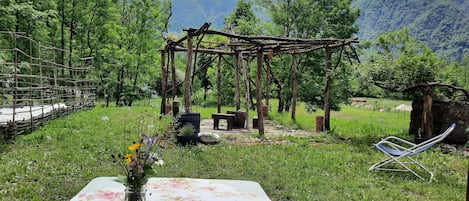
150, 140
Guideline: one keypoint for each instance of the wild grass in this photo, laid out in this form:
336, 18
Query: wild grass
59, 159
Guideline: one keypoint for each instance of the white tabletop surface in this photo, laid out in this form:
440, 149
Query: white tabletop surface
107, 189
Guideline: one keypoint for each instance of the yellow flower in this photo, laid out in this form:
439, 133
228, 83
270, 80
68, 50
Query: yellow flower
135, 147
128, 158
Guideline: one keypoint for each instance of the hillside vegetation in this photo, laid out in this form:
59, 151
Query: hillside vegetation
442, 24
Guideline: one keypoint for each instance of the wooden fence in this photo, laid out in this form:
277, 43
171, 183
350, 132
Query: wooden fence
39, 83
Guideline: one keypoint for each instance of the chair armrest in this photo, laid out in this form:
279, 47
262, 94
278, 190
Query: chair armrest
392, 145
395, 146
398, 139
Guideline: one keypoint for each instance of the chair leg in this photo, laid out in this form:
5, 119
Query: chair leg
423, 167
391, 159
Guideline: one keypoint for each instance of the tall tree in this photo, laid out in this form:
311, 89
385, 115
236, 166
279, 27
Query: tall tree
310, 19
398, 61
242, 20
141, 23
34, 18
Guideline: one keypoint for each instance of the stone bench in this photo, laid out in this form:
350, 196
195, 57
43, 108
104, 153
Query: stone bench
228, 117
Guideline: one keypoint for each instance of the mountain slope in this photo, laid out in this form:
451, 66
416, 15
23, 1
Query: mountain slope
442, 24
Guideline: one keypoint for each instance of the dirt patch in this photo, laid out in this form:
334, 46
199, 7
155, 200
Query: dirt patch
273, 133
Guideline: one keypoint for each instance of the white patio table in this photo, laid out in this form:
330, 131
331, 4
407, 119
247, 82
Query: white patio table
166, 189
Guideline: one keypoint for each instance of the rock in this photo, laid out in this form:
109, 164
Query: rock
447, 148
404, 107
209, 138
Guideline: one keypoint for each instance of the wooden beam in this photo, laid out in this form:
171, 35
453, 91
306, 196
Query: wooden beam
163, 83
267, 87
294, 87
327, 91
247, 98
187, 78
173, 74
195, 32
260, 118
203, 50
219, 83
236, 76
275, 38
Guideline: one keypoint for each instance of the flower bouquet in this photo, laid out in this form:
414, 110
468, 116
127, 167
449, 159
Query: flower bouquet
139, 165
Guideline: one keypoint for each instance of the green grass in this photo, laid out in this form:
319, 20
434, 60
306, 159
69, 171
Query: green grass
56, 161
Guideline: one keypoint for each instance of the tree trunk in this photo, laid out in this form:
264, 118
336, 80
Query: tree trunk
287, 102
427, 121
134, 84
72, 29
120, 80
280, 99
62, 36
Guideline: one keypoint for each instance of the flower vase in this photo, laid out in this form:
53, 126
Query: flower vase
135, 194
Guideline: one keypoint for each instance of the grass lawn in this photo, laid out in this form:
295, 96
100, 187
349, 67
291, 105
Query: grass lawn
57, 160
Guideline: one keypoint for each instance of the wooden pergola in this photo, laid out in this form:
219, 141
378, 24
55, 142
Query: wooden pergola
263, 48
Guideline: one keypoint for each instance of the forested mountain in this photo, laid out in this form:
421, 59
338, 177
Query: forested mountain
193, 13
123, 36
442, 24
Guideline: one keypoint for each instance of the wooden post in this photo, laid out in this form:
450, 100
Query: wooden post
187, 79
294, 87
267, 87
327, 91
163, 83
219, 83
247, 97
236, 74
260, 118
173, 74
